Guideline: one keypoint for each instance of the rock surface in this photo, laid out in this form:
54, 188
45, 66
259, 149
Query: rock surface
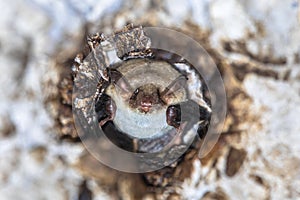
256, 46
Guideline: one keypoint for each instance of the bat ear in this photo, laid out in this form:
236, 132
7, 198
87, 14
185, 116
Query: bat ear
177, 84
121, 83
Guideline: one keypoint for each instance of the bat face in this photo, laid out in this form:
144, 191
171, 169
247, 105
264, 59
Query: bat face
146, 98
142, 92
149, 100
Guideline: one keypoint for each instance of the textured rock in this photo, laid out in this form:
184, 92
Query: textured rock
256, 47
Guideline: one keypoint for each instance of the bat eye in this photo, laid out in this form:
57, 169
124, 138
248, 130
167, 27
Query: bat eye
136, 91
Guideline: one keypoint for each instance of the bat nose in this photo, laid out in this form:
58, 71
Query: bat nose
146, 104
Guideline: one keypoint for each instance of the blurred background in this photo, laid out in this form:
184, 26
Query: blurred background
256, 46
